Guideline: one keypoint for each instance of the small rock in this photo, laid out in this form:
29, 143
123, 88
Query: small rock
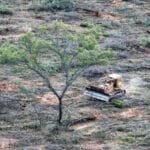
123, 55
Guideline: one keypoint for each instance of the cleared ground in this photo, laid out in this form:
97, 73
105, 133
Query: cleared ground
24, 99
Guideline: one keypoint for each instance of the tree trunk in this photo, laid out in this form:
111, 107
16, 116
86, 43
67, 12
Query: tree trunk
60, 111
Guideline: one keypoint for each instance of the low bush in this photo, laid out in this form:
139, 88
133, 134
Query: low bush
118, 103
4, 10
10, 54
53, 5
144, 41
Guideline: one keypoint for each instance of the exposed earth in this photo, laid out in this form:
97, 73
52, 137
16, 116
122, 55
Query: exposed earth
24, 100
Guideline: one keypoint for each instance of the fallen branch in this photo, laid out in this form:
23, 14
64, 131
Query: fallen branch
82, 120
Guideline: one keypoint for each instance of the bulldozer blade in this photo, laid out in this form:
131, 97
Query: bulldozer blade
96, 95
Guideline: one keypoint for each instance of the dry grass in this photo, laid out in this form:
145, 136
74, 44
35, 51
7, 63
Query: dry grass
113, 128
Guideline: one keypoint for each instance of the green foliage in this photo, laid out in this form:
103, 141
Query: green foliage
94, 30
144, 41
88, 39
32, 45
81, 48
87, 57
34, 50
59, 4
10, 54
122, 129
5, 10
60, 28
86, 25
118, 103
51, 5
87, 42
130, 138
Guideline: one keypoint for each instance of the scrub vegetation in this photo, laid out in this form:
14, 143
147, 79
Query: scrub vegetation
50, 51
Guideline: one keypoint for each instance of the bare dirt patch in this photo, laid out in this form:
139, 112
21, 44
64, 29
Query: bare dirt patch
48, 99
6, 86
6, 143
131, 112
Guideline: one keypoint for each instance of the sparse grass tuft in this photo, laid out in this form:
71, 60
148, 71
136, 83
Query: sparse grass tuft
122, 129
146, 141
101, 135
33, 125
50, 129
130, 138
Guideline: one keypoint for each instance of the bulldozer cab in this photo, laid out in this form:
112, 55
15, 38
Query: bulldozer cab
115, 81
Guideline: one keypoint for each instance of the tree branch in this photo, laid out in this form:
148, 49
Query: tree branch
71, 80
43, 76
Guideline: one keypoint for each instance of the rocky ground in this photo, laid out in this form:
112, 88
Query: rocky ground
24, 100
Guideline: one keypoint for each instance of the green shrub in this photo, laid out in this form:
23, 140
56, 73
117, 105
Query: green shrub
86, 57
144, 41
95, 30
51, 5
86, 25
123, 129
59, 4
35, 46
10, 54
88, 42
130, 138
118, 103
5, 10
88, 38
87, 47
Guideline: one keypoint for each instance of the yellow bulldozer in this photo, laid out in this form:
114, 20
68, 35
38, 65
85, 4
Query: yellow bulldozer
112, 88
